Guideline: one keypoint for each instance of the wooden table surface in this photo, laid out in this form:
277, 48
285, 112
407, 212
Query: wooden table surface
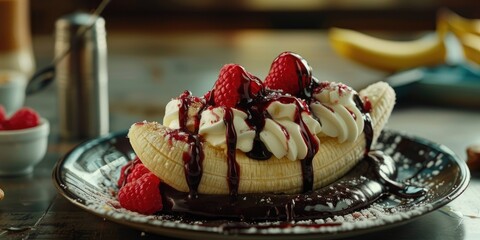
146, 71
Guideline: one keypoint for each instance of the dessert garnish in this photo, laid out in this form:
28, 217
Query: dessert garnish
139, 189
271, 150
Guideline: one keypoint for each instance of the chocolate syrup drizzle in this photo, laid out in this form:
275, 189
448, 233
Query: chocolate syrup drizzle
367, 120
367, 182
193, 159
233, 167
192, 163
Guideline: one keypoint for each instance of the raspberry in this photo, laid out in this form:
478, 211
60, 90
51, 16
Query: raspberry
138, 171
142, 195
290, 73
125, 171
235, 84
23, 118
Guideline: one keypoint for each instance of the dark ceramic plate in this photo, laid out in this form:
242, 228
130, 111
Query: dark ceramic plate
87, 177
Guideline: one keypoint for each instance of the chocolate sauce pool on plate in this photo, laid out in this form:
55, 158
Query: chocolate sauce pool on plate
358, 189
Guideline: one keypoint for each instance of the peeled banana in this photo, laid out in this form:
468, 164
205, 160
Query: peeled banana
162, 155
387, 55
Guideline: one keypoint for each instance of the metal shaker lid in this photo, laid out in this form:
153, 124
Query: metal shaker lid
80, 24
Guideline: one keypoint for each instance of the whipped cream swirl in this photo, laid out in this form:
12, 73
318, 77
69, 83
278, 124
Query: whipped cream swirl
335, 114
333, 104
210, 123
172, 114
213, 128
282, 135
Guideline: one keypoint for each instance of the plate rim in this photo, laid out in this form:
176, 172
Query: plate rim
179, 232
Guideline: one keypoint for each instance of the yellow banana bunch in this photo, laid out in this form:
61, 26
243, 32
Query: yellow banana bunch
471, 47
163, 155
387, 55
466, 30
458, 24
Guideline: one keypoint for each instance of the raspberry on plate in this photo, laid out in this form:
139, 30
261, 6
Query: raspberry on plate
131, 171
125, 171
138, 171
142, 195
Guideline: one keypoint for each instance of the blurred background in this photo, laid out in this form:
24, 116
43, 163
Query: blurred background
167, 46
159, 48
200, 15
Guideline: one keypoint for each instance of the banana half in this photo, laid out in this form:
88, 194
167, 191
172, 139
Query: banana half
163, 155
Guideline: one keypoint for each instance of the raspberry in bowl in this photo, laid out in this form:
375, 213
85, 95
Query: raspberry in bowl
23, 141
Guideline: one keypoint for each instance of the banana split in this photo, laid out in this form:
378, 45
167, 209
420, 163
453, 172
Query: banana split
263, 150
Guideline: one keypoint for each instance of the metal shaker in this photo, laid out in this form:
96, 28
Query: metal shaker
81, 76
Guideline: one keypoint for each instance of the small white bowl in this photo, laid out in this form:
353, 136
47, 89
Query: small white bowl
21, 150
12, 89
